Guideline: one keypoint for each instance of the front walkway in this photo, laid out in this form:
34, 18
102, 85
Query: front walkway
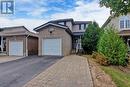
71, 71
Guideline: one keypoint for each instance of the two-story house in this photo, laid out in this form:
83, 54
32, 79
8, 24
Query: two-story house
57, 37
122, 23
60, 37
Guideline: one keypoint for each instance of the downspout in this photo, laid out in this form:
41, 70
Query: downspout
27, 45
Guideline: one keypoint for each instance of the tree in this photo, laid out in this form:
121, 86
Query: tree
113, 47
118, 7
90, 38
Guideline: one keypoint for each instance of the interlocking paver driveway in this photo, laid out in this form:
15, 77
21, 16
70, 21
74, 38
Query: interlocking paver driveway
71, 71
18, 72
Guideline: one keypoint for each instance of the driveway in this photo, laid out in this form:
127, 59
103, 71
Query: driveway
70, 71
18, 72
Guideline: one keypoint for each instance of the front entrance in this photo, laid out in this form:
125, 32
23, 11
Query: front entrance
127, 41
2, 44
77, 46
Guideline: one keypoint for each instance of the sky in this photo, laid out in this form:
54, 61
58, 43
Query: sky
32, 13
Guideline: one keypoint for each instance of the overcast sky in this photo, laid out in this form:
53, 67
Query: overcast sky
32, 13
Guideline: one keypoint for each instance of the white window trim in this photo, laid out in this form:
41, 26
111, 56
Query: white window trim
124, 18
62, 23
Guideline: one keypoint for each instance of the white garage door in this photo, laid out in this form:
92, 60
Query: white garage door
51, 47
16, 48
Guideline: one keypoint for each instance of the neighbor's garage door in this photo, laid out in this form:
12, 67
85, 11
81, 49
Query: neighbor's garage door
51, 47
16, 48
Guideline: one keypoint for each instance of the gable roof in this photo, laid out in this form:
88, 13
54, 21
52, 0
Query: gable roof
53, 24
107, 21
24, 32
62, 20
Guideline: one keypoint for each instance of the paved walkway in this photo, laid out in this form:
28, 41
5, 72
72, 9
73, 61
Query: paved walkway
8, 58
71, 71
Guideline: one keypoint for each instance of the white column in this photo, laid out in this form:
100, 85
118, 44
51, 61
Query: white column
128, 43
80, 42
1, 43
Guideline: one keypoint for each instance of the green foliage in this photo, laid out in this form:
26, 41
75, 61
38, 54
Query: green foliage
118, 7
91, 37
113, 47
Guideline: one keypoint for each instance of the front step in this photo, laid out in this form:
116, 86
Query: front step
3, 54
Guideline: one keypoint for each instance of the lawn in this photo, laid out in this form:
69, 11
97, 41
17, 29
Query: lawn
120, 78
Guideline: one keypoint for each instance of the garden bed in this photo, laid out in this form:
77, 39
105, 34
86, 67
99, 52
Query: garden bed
100, 78
109, 76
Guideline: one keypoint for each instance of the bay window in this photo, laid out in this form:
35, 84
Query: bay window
125, 23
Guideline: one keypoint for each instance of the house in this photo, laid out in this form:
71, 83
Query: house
60, 37
122, 23
18, 41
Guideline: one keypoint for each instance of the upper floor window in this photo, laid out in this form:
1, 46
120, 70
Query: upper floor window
124, 22
82, 26
62, 23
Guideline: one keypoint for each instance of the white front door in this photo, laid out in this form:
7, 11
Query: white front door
52, 47
16, 48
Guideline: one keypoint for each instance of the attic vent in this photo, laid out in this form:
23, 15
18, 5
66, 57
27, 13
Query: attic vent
51, 30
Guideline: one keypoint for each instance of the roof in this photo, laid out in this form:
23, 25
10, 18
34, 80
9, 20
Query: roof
124, 33
48, 24
61, 20
70, 19
53, 24
108, 20
78, 33
27, 32
13, 27
82, 22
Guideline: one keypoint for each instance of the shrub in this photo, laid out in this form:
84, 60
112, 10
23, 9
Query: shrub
113, 47
91, 37
100, 58
94, 54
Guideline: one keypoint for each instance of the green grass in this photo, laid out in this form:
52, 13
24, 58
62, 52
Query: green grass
120, 78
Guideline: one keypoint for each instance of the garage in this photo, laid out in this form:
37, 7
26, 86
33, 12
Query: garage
52, 47
16, 48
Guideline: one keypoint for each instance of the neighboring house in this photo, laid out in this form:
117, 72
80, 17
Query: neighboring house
122, 23
18, 41
60, 37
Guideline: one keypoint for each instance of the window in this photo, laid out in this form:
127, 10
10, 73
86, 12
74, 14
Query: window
82, 26
85, 26
122, 24
125, 22
62, 23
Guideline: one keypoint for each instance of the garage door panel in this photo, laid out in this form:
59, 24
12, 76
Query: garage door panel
51, 47
16, 48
